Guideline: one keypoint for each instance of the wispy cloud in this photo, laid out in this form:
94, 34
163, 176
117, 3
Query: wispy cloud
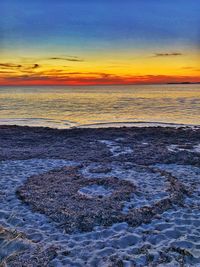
171, 54
9, 65
187, 68
91, 78
67, 58
190, 68
19, 67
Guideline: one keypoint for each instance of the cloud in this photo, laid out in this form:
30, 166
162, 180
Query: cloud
190, 68
35, 66
9, 65
171, 54
99, 74
93, 78
19, 66
6, 72
68, 58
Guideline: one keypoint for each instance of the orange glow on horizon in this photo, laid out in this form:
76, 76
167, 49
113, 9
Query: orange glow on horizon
93, 69
149, 79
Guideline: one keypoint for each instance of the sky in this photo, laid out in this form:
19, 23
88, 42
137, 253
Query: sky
97, 42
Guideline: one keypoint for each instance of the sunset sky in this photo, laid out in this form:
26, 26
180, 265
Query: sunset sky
86, 42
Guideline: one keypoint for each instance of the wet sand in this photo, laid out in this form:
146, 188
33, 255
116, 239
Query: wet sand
99, 197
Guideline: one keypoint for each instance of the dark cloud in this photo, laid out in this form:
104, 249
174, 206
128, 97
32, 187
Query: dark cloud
9, 65
6, 72
19, 66
171, 54
73, 59
35, 66
29, 60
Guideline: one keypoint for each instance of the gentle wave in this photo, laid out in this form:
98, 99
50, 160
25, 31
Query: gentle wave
136, 124
100, 106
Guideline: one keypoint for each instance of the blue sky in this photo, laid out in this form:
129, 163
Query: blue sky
102, 32
142, 21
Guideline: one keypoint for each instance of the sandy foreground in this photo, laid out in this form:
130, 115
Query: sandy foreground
99, 197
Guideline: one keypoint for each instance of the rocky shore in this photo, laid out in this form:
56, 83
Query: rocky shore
99, 197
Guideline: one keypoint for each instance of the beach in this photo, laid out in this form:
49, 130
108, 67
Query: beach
99, 133
126, 196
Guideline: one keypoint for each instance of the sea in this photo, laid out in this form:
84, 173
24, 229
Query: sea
100, 106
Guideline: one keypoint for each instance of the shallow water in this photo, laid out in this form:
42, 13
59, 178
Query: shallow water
65, 107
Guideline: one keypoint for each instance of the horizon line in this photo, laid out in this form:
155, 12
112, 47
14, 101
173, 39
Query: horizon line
114, 84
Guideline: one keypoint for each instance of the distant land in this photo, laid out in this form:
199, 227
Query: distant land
184, 83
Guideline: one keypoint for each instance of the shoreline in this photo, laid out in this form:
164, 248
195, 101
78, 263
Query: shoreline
72, 125
141, 124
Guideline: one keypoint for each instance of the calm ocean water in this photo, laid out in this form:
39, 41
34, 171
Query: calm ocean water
64, 107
